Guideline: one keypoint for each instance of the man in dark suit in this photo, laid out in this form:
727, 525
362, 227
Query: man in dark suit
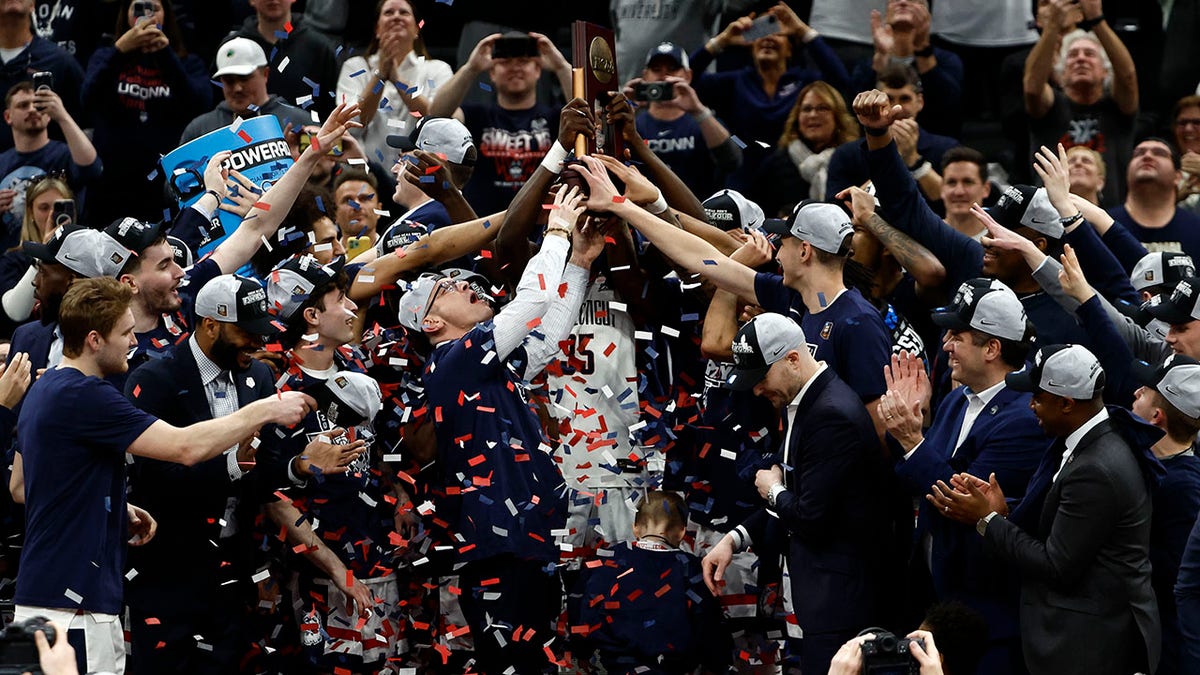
827, 501
1080, 538
186, 584
983, 428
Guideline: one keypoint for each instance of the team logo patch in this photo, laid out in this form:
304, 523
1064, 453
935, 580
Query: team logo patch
222, 310
826, 330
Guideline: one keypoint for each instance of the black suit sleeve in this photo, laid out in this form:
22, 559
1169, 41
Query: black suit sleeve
830, 456
1085, 518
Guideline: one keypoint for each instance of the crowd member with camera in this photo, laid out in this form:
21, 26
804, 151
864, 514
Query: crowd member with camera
515, 131
677, 126
29, 108
25, 53
148, 86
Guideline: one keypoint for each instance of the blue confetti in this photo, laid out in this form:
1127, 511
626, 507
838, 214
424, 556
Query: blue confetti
821, 299
485, 86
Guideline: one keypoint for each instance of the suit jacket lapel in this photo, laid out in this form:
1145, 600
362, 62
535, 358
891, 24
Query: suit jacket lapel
191, 388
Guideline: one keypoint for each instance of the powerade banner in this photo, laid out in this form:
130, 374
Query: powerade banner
259, 153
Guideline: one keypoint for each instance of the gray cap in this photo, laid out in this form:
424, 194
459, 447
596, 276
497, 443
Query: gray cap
1182, 306
821, 224
1161, 267
764, 340
239, 300
348, 398
1027, 206
414, 304
1070, 371
440, 136
86, 252
730, 210
986, 305
1177, 379
293, 281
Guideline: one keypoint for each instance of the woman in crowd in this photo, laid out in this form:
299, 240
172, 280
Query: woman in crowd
816, 126
394, 80
142, 91
755, 101
1087, 172
16, 270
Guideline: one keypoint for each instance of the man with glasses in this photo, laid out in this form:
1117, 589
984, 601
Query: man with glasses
1149, 211
505, 498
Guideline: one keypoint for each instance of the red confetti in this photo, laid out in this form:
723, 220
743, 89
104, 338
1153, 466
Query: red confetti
246, 138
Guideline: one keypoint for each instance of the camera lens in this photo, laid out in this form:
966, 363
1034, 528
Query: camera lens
887, 643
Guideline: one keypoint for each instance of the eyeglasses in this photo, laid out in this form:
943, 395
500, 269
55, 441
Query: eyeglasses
819, 109
444, 286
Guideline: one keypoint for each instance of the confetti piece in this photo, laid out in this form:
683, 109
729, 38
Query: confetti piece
246, 138
284, 63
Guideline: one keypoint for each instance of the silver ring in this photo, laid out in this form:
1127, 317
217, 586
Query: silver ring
947, 509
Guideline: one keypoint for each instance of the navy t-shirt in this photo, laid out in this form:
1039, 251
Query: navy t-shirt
431, 214
849, 334
76, 521
680, 145
504, 492
1182, 233
511, 145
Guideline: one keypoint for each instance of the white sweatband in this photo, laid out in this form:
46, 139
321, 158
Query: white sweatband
702, 115
553, 160
923, 170
658, 205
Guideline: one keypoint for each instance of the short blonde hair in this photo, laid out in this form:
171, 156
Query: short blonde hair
1096, 157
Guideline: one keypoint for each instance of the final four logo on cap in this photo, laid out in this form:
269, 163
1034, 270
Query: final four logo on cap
765, 339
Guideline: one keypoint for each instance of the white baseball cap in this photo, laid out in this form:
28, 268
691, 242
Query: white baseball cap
239, 56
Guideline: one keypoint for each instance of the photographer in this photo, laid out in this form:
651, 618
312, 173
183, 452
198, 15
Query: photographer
849, 659
677, 126
28, 109
962, 633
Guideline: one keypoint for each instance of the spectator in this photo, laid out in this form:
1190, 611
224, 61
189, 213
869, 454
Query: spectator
755, 101
961, 635
983, 428
243, 71
33, 155
1185, 125
75, 482
1085, 520
473, 347
684, 133
1150, 212
920, 150
901, 36
842, 23
621, 598
395, 81
356, 197
514, 132
964, 184
1187, 596
827, 503
16, 269
145, 86
24, 54
72, 25
1169, 398
1098, 98
1088, 172
303, 64
818, 124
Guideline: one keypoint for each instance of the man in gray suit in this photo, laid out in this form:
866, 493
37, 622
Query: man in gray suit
1080, 537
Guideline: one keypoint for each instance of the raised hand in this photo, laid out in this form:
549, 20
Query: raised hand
336, 125
875, 111
575, 118
638, 188
1052, 169
14, 380
1073, 281
568, 206
755, 250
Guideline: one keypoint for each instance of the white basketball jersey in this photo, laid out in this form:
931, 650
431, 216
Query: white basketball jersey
594, 395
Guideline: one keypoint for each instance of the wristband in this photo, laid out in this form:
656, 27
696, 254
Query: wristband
216, 194
926, 51
738, 542
922, 171
1088, 24
713, 47
658, 205
553, 160
882, 131
1071, 220
703, 115
917, 164
559, 228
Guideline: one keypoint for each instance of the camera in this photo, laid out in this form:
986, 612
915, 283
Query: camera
43, 80
654, 91
515, 47
142, 8
888, 654
63, 212
18, 651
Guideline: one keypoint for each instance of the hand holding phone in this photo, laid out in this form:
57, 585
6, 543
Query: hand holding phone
767, 24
